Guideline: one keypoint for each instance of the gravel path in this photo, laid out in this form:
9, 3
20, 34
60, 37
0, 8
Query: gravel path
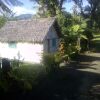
90, 66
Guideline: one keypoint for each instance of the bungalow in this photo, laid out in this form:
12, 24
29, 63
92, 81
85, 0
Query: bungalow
28, 39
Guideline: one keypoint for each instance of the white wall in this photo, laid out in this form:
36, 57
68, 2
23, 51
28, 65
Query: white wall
28, 51
51, 35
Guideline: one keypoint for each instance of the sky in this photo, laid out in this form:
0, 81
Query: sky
30, 7
27, 8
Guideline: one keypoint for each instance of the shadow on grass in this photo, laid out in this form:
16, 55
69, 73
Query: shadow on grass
65, 83
60, 84
87, 58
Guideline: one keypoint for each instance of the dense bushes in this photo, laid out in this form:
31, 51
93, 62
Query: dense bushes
20, 80
53, 62
49, 62
12, 85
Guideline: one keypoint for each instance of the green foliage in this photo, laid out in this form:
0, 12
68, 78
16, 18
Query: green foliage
89, 34
84, 45
76, 34
52, 7
2, 21
74, 26
12, 84
28, 72
48, 59
58, 57
15, 63
21, 79
4, 5
49, 62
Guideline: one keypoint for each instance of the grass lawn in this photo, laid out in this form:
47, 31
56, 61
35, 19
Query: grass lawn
29, 72
32, 81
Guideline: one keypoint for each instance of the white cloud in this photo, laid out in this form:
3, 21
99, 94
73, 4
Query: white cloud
23, 10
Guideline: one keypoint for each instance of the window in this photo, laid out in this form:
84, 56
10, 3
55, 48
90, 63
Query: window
53, 42
12, 45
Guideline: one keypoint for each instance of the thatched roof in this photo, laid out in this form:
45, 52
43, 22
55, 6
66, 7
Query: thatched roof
33, 30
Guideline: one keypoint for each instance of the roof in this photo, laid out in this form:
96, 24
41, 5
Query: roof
33, 30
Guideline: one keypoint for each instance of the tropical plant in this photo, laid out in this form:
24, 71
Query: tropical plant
2, 21
4, 5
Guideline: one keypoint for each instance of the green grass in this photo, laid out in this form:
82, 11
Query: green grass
33, 79
29, 72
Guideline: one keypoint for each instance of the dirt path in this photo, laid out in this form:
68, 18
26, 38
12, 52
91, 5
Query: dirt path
90, 66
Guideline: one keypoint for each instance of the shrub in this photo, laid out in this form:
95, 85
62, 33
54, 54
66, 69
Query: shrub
21, 80
74, 56
15, 63
29, 72
58, 58
49, 62
9, 84
84, 45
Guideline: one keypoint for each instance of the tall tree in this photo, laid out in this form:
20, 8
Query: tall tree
53, 6
92, 10
50, 6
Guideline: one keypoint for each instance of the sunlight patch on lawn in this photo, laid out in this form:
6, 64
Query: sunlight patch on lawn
96, 38
97, 35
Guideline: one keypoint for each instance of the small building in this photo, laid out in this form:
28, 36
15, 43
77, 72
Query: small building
27, 40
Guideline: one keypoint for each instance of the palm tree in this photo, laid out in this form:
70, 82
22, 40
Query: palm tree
5, 3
